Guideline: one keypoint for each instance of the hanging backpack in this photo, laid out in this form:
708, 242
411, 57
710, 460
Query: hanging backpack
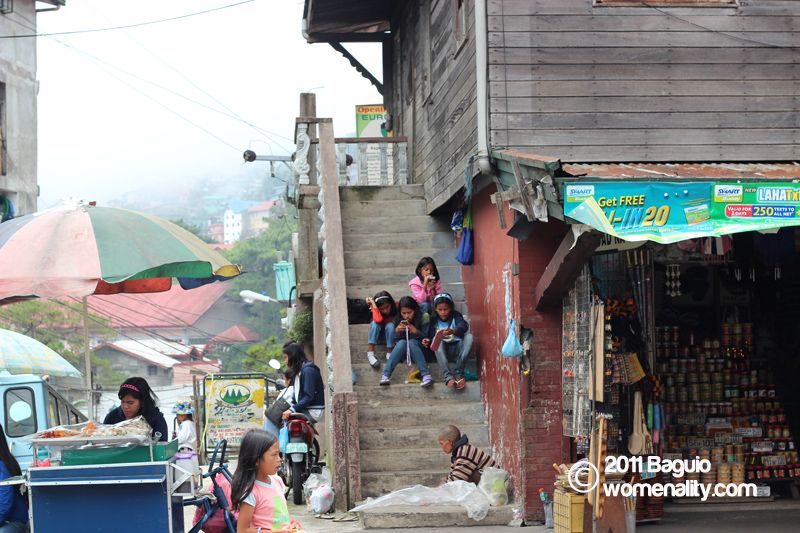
466, 252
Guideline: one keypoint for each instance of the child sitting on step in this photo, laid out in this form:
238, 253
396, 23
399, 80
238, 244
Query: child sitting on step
408, 324
382, 327
426, 284
466, 461
454, 340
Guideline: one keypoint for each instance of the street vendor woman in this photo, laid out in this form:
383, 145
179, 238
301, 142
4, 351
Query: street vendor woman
137, 398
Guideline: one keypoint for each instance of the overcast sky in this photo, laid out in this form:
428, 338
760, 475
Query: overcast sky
103, 132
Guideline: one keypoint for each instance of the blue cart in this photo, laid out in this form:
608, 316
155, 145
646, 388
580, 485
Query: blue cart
123, 498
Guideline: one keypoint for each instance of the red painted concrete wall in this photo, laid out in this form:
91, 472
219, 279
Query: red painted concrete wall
541, 414
500, 377
523, 412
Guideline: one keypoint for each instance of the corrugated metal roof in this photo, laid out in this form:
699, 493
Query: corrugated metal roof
143, 350
749, 171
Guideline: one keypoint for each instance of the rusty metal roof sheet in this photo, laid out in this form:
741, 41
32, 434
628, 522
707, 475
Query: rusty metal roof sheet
686, 170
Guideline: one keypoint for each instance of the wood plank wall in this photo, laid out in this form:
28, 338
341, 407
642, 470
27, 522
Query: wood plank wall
433, 95
586, 83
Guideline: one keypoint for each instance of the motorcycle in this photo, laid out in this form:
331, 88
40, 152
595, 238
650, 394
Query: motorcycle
301, 456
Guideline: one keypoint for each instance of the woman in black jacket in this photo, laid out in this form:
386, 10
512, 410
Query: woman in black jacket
137, 398
309, 392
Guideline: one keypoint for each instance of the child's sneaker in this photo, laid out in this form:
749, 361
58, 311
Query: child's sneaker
427, 381
388, 353
385, 380
373, 361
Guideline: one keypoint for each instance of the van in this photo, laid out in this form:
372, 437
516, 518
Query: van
29, 405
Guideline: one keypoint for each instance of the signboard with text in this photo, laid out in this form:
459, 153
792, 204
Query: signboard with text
669, 212
234, 404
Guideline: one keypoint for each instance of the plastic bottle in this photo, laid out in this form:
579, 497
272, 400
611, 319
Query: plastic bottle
43, 457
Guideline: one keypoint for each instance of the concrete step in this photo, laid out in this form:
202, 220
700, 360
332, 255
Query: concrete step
375, 484
394, 275
393, 208
392, 258
417, 437
413, 392
398, 460
436, 516
371, 193
400, 239
373, 414
366, 375
456, 290
382, 224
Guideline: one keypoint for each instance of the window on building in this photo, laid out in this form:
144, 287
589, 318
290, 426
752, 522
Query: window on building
152, 370
6, 6
460, 23
666, 3
20, 416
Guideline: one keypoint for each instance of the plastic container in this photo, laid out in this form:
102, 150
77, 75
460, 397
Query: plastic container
162, 451
548, 515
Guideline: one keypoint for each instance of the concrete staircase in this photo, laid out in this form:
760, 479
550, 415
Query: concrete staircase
386, 231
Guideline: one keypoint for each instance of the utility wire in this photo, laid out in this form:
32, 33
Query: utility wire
169, 109
231, 112
126, 26
711, 30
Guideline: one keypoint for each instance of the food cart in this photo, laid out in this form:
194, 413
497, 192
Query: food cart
96, 484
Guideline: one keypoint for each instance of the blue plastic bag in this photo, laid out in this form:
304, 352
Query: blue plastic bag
512, 346
283, 438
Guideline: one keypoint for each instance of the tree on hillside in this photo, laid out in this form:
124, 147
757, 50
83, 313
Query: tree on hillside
192, 228
59, 325
257, 256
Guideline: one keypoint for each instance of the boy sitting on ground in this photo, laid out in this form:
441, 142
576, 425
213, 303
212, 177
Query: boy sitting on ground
466, 461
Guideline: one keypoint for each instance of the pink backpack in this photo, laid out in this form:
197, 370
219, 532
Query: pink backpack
216, 524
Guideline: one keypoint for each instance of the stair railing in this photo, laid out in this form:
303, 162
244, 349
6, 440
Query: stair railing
344, 408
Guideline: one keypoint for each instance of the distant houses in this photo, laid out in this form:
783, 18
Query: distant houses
168, 337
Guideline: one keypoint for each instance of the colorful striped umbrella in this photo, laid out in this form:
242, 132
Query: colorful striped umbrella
79, 250
20, 354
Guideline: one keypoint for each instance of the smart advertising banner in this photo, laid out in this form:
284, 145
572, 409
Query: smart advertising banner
669, 212
233, 405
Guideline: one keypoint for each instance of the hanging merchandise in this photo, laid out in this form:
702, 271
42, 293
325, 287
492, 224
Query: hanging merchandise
577, 344
673, 280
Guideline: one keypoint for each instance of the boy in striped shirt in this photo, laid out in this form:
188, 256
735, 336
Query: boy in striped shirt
466, 461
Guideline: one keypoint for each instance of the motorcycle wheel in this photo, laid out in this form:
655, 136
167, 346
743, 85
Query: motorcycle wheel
297, 483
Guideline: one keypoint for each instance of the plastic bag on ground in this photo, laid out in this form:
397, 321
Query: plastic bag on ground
314, 481
459, 492
321, 499
494, 483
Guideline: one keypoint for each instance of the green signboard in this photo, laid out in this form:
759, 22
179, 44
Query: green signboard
669, 212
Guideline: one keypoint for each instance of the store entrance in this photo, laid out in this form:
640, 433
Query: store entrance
700, 359
727, 314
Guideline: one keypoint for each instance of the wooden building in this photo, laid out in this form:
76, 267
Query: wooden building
480, 86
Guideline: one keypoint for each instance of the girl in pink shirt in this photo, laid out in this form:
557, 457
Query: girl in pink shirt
256, 490
426, 284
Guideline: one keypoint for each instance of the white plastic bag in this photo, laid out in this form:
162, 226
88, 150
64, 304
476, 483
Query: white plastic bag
458, 492
494, 483
321, 499
314, 481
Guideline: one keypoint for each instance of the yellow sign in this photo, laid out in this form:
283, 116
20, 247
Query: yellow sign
233, 407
